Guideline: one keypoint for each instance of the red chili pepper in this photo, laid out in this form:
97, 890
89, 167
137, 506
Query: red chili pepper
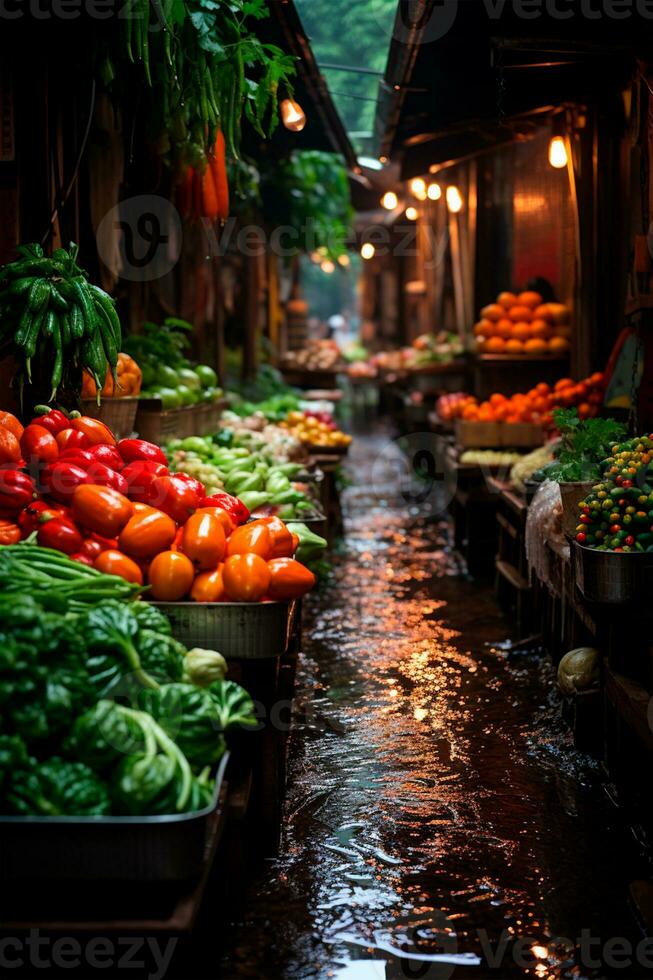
195, 485
54, 421
60, 480
108, 455
135, 449
38, 445
60, 534
71, 439
233, 506
17, 490
140, 475
104, 476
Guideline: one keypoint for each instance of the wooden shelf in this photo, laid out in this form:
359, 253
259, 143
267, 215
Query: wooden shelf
632, 702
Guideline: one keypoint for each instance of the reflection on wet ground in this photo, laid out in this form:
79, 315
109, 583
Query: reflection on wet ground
436, 806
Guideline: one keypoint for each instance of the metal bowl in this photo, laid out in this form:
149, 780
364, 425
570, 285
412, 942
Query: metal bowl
238, 630
613, 577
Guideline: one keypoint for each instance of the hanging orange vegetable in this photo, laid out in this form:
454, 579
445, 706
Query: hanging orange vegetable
218, 165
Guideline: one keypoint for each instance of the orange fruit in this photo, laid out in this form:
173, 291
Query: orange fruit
562, 331
495, 345
520, 314
497, 399
503, 328
540, 329
506, 300
492, 312
530, 299
543, 313
521, 331
543, 388
514, 346
558, 345
558, 312
484, 328
535, 346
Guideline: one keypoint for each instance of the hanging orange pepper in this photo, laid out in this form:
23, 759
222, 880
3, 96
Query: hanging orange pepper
210, 208
218, 164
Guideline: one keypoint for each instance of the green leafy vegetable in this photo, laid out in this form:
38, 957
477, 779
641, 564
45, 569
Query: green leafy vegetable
584, 443
190, 716
234, 705
57, 788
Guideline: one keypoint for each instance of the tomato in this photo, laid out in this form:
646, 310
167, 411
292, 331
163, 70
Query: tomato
71, 439
9, 447
108, 455
174, 497
289, 579
204, 540
147, 533
283, 545
60, 534
140, 475
60, 480
253, 539
208, 586
224, 518
101, 509
246, 577
95, 431
171, 576
11, 423
10, 533
38, 445
115, 563
91, 549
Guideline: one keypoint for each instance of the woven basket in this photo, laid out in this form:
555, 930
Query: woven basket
118, 413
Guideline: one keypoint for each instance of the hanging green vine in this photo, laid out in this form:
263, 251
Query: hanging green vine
205, 68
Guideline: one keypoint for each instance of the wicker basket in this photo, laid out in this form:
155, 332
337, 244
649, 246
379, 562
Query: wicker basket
159, 425
118, 413
238, 630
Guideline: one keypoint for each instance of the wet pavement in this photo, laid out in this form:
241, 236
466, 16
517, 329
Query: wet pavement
436, 805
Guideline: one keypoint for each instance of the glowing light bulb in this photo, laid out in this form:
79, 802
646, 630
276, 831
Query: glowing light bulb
454, 200
412, 214
418, 188
389, 200
368, 251
328, 267
292, 115
434, 192
557, 152
344, 261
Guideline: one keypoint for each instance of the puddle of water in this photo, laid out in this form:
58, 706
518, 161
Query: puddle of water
439, 808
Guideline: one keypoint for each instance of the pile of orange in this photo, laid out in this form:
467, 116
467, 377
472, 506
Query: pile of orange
523, 324
536, 405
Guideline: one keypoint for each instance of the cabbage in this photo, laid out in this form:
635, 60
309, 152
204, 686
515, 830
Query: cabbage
578, 670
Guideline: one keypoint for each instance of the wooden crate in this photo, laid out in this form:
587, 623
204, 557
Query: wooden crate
498, 435
159, 425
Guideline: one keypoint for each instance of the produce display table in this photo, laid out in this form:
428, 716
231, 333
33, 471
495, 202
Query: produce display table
472, 507
329, 493
512, 582
510, 375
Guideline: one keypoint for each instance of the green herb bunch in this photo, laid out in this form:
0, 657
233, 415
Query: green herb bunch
584, 443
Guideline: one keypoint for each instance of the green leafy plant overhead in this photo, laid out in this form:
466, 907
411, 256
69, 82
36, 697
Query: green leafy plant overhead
584, 443
205, 68
310, 191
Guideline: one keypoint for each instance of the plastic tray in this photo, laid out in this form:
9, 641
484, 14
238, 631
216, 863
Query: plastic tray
138, 849
239, 630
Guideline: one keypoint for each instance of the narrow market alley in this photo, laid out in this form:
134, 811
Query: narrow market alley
435, 801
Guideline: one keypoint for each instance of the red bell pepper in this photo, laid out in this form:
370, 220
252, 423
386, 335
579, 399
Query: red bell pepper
80, 457
71, 439
38, 445
17, 490
195, 485
140, 475
233, 506
60, 480
108, 455
174, 497
135, 449
54, 421
104, 476
31, 518
95, 431
60, 534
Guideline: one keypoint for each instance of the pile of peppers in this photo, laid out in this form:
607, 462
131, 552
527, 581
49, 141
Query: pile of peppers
67, 482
